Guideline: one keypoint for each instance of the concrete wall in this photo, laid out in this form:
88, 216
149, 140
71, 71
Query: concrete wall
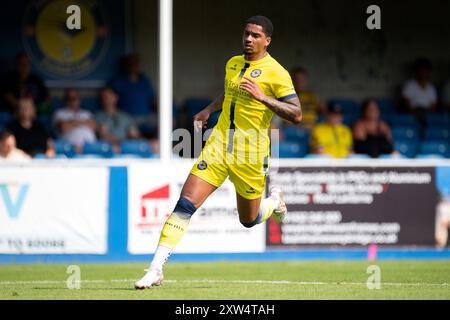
329, 38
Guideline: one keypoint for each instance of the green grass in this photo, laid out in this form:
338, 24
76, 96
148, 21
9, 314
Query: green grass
233, 280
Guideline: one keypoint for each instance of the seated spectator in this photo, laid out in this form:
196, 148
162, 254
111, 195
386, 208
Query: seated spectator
8, 148
31, 136
419, 94
136, 95
332, 138
74, 124
371, 135
312, 107
21, 83
114, 125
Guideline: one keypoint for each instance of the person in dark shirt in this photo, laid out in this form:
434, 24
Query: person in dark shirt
31, 136
371, 135
21, 83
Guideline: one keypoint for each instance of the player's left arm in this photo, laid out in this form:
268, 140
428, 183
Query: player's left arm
289, 110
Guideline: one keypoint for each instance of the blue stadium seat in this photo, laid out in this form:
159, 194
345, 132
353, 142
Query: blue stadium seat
291, 150
386, 106
64, 148
137, 147
195, 105
400, 119
405, 133
436, 119
43, 156
5, 117
429, 156
348, 106
90, 103
295, 134
437, 133
126, 156
408, 148
435, 147
100, 148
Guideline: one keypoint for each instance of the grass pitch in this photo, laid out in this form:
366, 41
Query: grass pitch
233, 280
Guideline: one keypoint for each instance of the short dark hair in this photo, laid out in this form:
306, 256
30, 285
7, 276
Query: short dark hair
5, 134
262, 21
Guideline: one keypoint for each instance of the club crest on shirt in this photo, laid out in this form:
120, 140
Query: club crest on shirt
202, 165
256, 73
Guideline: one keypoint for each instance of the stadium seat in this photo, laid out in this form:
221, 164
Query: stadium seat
400, 119
90, 103
64, 148
436, 119
405, 133
5, 117
435, 147
295, 134
100, 148
429, 156
87, 156
291, 150
126, 156
43, 156
386, 106
437, 133
195, 105
348, 106
137, 147
408, 148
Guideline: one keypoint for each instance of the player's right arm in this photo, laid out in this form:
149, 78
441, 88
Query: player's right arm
201, 118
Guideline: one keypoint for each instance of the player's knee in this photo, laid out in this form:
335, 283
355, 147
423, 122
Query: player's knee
185, 207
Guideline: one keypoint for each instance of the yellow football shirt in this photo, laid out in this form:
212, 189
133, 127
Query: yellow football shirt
243, 125
335, 141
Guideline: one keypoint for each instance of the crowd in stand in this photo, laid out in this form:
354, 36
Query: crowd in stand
31, 125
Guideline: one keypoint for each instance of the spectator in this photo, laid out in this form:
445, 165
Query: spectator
114, 125
136, 95
74, 124
31, 136
8, 148
21, 83
371, 135
419, 94
312, 107
332, 138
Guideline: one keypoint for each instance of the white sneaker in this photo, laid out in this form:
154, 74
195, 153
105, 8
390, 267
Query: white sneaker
152, 277
280, 212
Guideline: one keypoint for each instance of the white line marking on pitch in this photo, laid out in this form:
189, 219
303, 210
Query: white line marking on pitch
275, 282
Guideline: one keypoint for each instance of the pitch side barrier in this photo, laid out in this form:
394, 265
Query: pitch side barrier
112, 210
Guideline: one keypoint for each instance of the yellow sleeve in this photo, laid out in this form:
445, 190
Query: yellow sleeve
282, 86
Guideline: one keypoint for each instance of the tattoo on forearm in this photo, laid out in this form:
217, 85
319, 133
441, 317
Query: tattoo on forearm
289, 110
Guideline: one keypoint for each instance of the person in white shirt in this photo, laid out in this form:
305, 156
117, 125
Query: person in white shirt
419, 95
75, 125
8, 149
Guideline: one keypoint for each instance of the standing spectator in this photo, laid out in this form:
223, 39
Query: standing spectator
31, 136
371, 135
21, 83
419, 94
74, 124
136, 95
8, 148
312, 107
114, 125
332, 138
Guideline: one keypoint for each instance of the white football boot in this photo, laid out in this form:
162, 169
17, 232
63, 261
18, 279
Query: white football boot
152, 277
280, 212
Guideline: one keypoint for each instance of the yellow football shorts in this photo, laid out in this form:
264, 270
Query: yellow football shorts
248, 177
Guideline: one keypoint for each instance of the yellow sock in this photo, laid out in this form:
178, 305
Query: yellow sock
175, 227
266, 208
